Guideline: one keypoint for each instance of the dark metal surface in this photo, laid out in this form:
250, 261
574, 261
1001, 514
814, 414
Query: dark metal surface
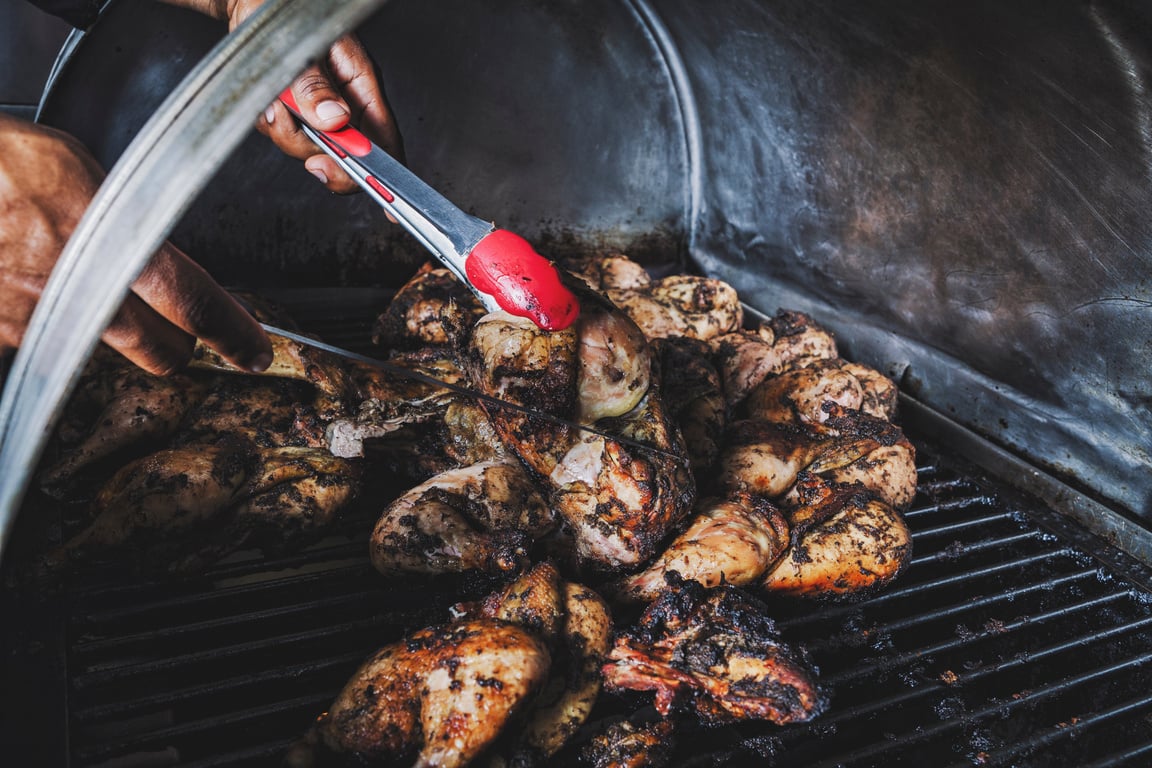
962, 190
29, 39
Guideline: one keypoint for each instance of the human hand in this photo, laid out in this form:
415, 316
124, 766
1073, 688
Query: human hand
342, 88
47, 180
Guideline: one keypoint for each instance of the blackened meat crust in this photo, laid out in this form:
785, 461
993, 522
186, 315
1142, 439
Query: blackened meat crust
715, 651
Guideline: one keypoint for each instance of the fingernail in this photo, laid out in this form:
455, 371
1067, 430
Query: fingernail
270, 115
330, 110
319, 174
261, 362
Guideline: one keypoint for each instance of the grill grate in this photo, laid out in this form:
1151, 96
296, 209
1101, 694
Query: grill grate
1004, 643
1001, 645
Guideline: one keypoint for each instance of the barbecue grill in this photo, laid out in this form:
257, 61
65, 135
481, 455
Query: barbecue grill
960, 193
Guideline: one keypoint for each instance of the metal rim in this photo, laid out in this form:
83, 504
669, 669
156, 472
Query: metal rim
154, 182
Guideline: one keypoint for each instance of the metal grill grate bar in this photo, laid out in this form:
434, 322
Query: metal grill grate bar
959, 549
967, 606
98, 676
995, 709
959, 526
1139, 755
1034, 620
183, 602
917, 694
168, 633
1066, 731
956, 505
915, 590
263, 754
108, 710
159, 736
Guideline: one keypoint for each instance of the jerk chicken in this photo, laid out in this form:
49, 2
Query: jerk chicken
716, 652
801, 474
446, 694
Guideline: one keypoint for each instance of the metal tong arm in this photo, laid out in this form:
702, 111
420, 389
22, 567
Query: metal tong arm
431, 218
500, 267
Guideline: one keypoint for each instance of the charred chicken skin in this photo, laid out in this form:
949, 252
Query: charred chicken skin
846, 542
444, 695
481, 517
729, 541
134, 412
715, 652
632, 745
678, 306
618, 501
745, 358
439, 697
181, 508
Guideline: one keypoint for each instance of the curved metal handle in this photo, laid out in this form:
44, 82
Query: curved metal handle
155, 181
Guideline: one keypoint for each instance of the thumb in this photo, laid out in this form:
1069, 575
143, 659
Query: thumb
320, 103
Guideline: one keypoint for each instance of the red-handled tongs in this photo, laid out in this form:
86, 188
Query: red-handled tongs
500, 267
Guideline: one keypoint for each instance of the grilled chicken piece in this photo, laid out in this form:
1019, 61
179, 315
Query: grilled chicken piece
182, 508
714, 651
469, 435
137, 412
578, 625
730, 541
746, 358
598, 367
445, 694
417, 315
870, 453
851, 447
845, 542
886, 469
682, 306
799, 395
613, 271
672, 307
268, 412
804, 393
439, 697
483, 517
632, 745
881, 395
764, 458
692, 394
618, 501
572, 689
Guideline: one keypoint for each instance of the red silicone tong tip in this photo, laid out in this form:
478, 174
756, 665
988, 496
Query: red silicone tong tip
523, 282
